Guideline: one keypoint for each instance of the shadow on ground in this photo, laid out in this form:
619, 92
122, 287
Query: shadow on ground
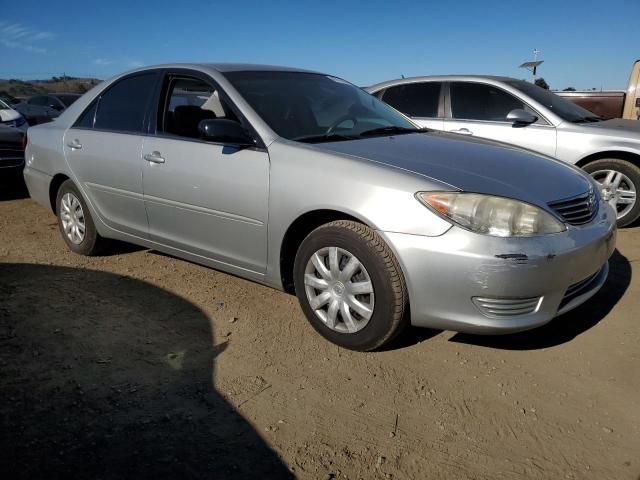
104, 376
568, 326
12, 187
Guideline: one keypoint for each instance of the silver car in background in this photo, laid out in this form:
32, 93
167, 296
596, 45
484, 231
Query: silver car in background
525, 115
306, 183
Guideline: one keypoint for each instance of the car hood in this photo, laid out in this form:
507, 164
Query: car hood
472, 165
617, 127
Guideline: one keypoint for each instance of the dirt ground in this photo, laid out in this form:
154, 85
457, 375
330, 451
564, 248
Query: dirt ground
139, 364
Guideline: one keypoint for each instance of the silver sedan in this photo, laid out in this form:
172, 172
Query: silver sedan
303, 182
525, 115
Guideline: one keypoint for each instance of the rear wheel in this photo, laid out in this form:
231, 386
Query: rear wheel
350, 285
620, 181
75, 222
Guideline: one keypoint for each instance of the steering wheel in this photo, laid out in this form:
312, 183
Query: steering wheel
341, 120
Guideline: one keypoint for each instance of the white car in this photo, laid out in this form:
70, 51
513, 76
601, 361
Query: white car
10, 118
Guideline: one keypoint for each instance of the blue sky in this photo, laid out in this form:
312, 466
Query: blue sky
584, 43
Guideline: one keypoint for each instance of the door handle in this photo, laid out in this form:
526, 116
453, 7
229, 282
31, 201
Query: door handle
75, 144
154, 157
462, 131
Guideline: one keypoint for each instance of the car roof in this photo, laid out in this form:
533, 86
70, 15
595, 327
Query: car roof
228, 67
441, 78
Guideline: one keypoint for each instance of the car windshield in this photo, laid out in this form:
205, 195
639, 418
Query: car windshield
316, 108
67, 99
563, 108
4, 106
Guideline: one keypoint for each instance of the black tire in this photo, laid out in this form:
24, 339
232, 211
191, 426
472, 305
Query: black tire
390, 312
628, 169
92, 243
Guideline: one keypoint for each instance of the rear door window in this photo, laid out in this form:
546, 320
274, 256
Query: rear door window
123, 107
477, 101
415, 99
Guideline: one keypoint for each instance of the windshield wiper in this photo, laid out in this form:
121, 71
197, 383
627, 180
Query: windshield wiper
331, 137
392, 130
591, 119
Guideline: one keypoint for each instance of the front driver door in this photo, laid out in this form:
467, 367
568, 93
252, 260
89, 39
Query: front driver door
480, 110
207, 199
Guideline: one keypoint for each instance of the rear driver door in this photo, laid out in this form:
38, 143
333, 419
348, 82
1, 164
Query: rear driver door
104, 151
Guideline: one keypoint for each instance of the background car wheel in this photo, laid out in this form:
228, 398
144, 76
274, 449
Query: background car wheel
620, 182
75, 222
350, 286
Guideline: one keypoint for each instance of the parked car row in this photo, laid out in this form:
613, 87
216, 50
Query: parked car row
306, 183
11, 152
35, 110
11, 118
44, 108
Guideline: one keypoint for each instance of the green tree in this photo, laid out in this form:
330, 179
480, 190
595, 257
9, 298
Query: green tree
569, 89
541, 82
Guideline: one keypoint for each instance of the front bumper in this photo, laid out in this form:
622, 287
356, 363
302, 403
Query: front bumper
474, 283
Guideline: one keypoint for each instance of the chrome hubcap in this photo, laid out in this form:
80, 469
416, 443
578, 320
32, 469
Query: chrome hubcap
72, 218
617, 189
339, 289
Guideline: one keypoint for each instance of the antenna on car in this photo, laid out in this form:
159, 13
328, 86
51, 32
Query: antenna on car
533, 66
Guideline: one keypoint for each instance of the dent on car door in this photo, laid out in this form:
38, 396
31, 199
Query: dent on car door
104, 151
209, 199
422, 101
481, 110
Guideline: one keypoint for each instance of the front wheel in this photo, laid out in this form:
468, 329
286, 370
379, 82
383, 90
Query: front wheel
350, 286
620, 181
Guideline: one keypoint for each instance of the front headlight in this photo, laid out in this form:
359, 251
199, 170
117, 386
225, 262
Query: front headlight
498, 216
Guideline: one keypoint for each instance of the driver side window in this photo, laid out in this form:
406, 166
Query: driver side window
477, 101
188, 101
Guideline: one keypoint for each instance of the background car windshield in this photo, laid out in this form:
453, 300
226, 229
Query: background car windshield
563, 108
3, 105
68, 99
298, 105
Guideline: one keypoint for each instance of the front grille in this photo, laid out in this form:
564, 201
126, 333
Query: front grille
579, 288
577, 210
506, 307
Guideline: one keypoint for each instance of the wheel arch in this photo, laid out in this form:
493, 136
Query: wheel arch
298, 231
54, 186
631, 157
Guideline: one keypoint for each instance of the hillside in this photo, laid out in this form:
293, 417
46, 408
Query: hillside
27, 88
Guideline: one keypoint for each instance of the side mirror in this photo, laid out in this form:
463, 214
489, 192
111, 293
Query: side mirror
521, 117
221, 130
